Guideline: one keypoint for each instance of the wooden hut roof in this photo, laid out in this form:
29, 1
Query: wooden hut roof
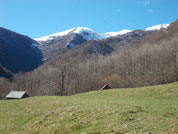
106, 86
16, 94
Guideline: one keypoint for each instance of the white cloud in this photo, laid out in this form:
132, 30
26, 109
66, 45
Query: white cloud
149, 11
144, 2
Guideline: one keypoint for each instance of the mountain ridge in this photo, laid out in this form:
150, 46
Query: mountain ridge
88, 31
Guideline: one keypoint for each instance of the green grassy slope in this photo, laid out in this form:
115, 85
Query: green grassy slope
138, 110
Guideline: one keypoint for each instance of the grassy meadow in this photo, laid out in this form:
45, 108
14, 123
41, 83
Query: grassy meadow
135, 110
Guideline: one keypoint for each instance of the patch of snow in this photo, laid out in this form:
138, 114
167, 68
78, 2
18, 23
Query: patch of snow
111, 34
157, 27
34, 44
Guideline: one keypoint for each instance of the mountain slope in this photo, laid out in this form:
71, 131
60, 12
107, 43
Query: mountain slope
90, 48
18, 53
5, 73
57, 43
108, 45
133, 37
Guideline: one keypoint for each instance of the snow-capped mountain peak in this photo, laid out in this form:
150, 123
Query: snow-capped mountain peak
157, 27
84, 31
88, 33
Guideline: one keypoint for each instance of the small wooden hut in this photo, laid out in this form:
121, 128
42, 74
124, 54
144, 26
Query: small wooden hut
17, 95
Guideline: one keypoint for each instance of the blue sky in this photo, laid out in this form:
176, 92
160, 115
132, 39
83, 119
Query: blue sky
37, 18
